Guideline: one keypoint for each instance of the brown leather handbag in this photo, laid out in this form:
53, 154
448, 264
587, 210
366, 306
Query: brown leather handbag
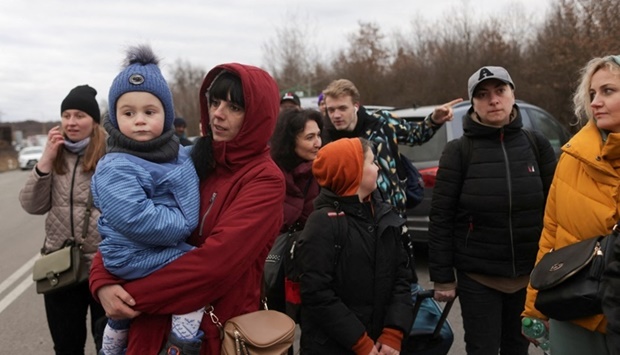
263, 332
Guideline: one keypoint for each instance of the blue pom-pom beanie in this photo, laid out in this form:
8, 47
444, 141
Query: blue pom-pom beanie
141, 73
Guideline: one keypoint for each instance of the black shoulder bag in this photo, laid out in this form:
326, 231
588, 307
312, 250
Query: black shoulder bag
569, 279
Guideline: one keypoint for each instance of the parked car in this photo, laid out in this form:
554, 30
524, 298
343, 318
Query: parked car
426, 157
28, 157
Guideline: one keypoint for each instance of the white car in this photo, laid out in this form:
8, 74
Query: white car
29, 156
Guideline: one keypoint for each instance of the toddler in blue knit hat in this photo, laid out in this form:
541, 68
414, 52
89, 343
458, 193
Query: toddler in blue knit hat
146, 188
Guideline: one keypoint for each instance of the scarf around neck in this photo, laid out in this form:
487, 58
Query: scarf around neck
78, 147
158, 150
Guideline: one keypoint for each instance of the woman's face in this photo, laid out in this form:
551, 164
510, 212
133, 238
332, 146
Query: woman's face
308, 141
369, 175
225, 118
605, 99
76, 125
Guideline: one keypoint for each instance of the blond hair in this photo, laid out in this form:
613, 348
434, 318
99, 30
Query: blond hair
582, 99
342, 87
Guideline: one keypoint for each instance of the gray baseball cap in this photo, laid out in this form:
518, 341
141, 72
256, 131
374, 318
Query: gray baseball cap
486, 73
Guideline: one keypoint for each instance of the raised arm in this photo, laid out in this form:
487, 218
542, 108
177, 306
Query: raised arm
412, 133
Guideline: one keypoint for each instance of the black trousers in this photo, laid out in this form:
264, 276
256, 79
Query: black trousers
491, 319
66, 312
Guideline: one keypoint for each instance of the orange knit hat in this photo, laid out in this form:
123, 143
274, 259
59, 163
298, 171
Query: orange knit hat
339, 166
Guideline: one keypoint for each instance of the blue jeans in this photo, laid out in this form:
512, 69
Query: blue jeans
491, 319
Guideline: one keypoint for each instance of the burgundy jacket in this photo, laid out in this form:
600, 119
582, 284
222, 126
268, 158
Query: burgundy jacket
241, 214
301, 190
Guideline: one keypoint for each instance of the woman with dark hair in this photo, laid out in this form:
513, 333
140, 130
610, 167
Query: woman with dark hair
294, 145
241, 191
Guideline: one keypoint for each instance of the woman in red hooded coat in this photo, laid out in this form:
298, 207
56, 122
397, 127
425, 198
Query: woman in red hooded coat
242, 191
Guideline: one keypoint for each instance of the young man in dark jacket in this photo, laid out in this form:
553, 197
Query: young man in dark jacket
486, 215
348, 119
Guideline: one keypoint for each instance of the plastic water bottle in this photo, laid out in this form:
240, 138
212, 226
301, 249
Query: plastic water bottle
535, 329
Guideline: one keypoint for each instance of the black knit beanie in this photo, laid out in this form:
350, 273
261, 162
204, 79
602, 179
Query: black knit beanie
82, 98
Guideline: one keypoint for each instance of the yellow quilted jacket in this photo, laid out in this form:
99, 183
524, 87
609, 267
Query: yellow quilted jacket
583, 202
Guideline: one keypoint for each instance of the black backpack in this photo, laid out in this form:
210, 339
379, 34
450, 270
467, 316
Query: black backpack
414, 188
273, 272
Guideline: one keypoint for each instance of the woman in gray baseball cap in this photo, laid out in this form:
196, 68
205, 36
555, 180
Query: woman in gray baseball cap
486, 215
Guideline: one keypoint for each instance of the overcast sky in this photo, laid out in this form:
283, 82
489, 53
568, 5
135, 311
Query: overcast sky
47, 47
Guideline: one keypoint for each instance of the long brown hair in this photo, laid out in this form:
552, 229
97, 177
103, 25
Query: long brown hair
94, 151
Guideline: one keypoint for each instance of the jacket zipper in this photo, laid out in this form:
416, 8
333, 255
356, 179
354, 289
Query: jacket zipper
509, 186
204, 217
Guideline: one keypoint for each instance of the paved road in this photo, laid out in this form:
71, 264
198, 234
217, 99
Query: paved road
23, 327
458, 347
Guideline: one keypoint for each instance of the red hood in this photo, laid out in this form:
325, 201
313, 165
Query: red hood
262, 104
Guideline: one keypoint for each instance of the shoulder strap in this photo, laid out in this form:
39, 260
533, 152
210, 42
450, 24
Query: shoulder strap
466, 148
533, 143
339, 223
89, 205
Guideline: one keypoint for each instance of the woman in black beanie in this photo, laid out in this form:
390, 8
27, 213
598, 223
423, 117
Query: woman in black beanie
59, 185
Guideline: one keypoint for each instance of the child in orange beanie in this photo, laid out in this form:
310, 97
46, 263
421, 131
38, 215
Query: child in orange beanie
354, 286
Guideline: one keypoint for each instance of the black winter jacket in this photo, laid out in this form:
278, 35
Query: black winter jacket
363, 288
489, 221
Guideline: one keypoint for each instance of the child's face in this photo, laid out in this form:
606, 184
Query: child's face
369, 175
140, 115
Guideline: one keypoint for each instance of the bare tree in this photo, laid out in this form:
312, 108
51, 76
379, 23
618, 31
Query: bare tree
185, 87
574, 32
365, 61
291, 57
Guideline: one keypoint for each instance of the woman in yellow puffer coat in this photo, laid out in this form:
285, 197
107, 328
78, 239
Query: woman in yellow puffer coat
584, 198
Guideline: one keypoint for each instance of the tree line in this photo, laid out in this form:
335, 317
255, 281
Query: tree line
430, 62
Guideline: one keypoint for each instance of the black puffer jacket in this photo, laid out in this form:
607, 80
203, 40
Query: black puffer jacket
489, 221
365, 288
